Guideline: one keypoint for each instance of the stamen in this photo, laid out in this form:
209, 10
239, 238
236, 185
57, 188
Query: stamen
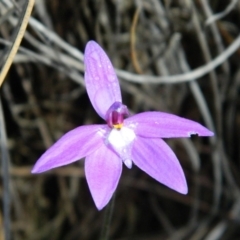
117, 126
115, 115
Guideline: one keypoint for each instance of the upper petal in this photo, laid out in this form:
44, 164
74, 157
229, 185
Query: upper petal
71, 147
157, 159
103, 169
164, 125
100, 78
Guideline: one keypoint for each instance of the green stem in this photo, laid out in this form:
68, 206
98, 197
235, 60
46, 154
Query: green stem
107, 219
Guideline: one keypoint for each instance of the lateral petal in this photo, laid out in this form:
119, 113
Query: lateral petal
165, 125
71, 147
157, 159
100, 78
103, 169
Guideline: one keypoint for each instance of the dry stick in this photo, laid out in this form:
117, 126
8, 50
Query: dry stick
204, 110
25, 172
30, 56
48, 58
4, 152
127, 76
6, 15
196, 73
52, 36
133, 41
217, 231
218, 113
227, 36
222, 14
220, 48
216, 34
42, 126
5, 174
186, 77
23, 21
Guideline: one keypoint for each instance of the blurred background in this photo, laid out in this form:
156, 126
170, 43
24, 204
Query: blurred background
180, 57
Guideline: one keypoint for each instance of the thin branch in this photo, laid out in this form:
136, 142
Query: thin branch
5, 174
23, 21
186, 77
222, 14
133, 41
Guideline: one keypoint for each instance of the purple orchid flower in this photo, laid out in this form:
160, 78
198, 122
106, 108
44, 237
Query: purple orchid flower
134, 139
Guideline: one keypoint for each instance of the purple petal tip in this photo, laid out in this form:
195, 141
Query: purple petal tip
36, 170
165, 125
103, 169
33, 171
203, 132
183, 189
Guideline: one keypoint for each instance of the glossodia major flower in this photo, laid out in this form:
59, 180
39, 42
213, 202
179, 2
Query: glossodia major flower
136, 139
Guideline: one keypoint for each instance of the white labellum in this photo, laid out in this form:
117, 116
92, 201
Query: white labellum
121, 141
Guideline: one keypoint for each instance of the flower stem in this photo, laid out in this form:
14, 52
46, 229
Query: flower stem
107, 219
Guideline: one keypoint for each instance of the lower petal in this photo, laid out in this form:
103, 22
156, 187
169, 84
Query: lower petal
71, 147
103, 169
157, 159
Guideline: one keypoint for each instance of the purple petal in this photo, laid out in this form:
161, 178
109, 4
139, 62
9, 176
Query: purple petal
157, 159
71, 147
164, 125
100, 78
103, 169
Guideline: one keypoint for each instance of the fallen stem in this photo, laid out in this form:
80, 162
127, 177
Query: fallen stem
19, 35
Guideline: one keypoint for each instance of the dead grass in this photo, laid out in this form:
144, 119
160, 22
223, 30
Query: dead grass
175, 56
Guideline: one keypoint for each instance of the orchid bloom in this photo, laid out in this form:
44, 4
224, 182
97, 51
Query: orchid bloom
136, 139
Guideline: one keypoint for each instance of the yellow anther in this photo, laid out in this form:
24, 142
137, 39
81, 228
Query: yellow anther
118, 126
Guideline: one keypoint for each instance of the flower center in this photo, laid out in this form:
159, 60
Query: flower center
117, 119
120, 138
121, 141
115, 115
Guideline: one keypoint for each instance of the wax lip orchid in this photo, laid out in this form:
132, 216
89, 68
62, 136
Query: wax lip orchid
136, 139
